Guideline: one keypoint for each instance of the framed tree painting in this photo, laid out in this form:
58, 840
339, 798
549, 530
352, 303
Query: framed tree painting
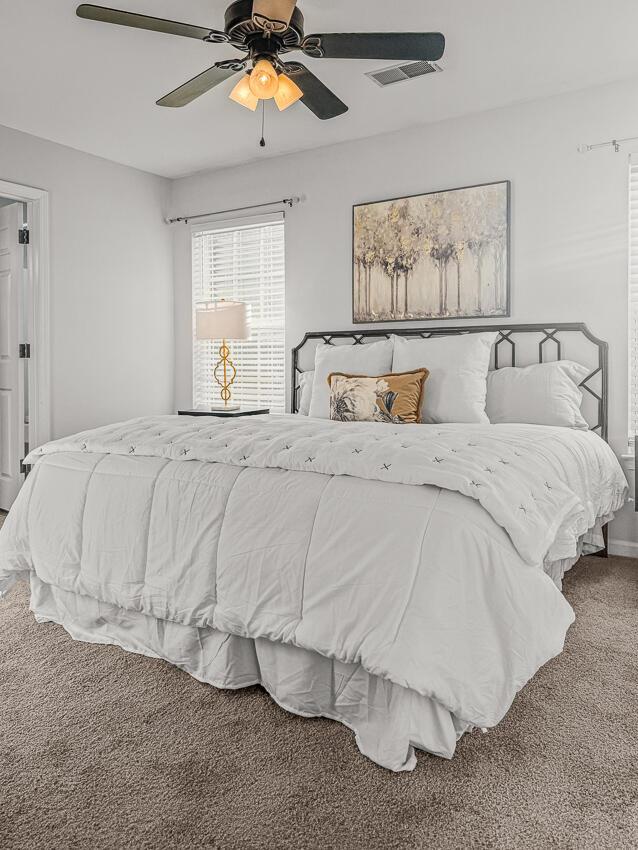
444, 255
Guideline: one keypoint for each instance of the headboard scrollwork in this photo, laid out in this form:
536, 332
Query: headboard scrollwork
516, 345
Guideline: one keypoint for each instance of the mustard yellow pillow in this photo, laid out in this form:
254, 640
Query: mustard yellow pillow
386, 398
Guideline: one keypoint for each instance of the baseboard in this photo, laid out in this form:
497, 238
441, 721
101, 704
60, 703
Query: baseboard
628, 548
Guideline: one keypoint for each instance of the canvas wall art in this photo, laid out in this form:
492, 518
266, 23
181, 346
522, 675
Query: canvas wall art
443, 255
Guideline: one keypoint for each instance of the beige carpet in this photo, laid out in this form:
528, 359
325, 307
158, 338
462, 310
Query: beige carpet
103, 749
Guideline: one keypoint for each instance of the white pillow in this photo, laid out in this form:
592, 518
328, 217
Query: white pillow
456, 388
541, 394
370, 359
305, 387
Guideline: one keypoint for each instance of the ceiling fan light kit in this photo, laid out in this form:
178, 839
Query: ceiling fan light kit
287, 92
266, 30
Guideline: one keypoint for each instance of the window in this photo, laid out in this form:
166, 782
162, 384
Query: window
243, 263
633, 299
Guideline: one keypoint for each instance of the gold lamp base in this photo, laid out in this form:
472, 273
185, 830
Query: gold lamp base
225, 374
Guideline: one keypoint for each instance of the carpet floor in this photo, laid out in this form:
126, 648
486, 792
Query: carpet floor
104, 749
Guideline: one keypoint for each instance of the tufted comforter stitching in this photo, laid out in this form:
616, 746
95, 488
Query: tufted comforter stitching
418, 584
512, 475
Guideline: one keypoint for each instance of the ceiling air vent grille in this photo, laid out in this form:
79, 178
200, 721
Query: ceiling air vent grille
400, 73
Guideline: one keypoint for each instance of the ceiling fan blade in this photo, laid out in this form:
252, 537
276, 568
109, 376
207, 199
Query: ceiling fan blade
199, 85
273, 15
414, 46
144, 22
316, 96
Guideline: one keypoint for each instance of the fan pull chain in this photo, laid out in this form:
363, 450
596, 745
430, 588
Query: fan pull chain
262, 141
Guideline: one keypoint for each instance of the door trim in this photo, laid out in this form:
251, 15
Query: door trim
37, 201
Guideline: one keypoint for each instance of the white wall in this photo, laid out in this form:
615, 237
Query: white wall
569, 218
111, 282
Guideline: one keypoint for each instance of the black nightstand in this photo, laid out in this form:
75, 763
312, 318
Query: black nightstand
226, 414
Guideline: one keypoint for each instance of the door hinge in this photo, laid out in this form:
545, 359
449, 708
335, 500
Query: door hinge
25, 350
23, 235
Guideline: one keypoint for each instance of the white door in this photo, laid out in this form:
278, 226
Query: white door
11, 386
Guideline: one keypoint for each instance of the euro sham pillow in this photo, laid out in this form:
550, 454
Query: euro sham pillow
384, 398
306, 380
370, 359
541, 394
458, 366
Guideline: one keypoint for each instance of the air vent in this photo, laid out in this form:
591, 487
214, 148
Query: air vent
400, 73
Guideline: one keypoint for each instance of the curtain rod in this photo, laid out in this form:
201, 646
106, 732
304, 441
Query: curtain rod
289, 202
614, 143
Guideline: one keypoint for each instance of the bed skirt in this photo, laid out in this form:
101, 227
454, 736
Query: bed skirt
389, 721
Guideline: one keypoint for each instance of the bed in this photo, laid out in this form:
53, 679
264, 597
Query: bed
402, 580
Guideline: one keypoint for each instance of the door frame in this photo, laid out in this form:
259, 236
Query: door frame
37, 201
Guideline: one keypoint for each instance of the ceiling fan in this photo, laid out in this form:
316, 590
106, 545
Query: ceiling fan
266, 30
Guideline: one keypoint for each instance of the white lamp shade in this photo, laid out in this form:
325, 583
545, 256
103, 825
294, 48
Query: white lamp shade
221, 320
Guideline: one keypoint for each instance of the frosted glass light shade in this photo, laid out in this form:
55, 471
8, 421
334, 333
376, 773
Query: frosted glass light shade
263, 80
242, 94
287, 93
221, 320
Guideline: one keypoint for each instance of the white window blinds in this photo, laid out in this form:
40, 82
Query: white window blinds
243, 263
633, 298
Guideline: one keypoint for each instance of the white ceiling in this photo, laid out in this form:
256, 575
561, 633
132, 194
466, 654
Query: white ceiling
93, 86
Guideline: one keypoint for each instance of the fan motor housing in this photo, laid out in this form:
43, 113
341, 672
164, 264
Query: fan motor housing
241, 28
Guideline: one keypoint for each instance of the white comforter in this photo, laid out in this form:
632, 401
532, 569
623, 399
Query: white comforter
321, 535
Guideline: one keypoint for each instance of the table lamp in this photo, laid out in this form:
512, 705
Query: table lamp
224, 320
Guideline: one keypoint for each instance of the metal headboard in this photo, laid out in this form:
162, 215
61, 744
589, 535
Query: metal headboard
572, 341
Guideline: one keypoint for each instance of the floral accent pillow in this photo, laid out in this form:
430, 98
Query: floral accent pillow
392, 398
